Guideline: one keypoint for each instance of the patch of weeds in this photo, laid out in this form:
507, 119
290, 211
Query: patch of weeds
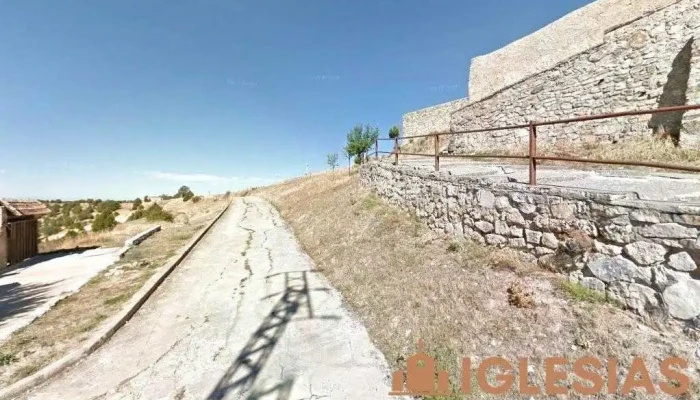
369, 202
447, 360
519, 297
454, 247
93, 323
116, 299
577, 292
7, 359
25, 371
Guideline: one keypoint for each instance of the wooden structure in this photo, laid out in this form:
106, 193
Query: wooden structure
19, 229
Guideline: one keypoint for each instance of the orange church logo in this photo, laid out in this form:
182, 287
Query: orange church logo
420, 377
591, 376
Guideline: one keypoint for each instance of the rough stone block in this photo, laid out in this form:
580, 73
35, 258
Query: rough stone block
516, 232
501, 228
550, 240
592, 283
563, 210
667, 231
484, 227
516, 242
533, 237
683, 299
502, 202
496, 240
609, 269
607, 249
682, 262
645, 253
485, 199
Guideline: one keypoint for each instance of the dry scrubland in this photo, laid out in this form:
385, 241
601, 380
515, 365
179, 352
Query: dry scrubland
75, 318
406, 282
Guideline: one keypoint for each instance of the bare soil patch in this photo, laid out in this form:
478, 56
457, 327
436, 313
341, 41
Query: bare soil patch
76, 318
406, 283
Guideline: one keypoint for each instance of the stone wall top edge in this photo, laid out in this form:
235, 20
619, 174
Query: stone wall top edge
436, 107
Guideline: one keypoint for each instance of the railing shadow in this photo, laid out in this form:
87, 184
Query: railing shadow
244, 371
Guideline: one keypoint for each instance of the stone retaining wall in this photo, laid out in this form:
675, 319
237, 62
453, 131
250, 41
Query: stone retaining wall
641, 253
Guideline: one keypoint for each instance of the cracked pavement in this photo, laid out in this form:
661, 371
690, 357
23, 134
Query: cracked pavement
245, 316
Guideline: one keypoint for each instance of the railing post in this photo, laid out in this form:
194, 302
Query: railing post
437, 152
533, 153
376, 149
396, 151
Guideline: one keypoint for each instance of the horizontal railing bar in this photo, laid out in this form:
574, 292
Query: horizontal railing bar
414, 154
552, 158
499, 128
483, 156
614, 162
620, 114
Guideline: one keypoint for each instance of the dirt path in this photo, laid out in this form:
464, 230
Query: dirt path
245, 316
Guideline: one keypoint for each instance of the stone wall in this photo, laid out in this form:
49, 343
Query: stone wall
575, 33
641, 253
628, 59
432, 119
648, 63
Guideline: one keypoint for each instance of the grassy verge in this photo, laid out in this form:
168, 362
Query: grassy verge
406, 283
74, 319
633, 150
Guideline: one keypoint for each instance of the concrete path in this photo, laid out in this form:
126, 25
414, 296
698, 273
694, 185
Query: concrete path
648, 185
245, 316
33, 286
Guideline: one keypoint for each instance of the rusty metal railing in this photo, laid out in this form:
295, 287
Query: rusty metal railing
532, 156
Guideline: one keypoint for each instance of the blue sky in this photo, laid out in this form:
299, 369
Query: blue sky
123, 98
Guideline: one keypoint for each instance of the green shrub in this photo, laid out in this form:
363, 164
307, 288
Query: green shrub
72, 234
7, 359
187, 196
138, 214
104, 221
394, 132
108, 205
146, 199
50, 227
156, 213
136, 204
196, 199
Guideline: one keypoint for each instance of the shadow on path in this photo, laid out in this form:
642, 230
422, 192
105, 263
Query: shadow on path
43, 257
17, 299
244, 371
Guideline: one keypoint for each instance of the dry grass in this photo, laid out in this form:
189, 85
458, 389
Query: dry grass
406, 282
422, 145
650, 149
74, 319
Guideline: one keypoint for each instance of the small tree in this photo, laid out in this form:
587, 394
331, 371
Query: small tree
104, 221
185, 193
394, 132
332, 160
360, 139
136, 204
